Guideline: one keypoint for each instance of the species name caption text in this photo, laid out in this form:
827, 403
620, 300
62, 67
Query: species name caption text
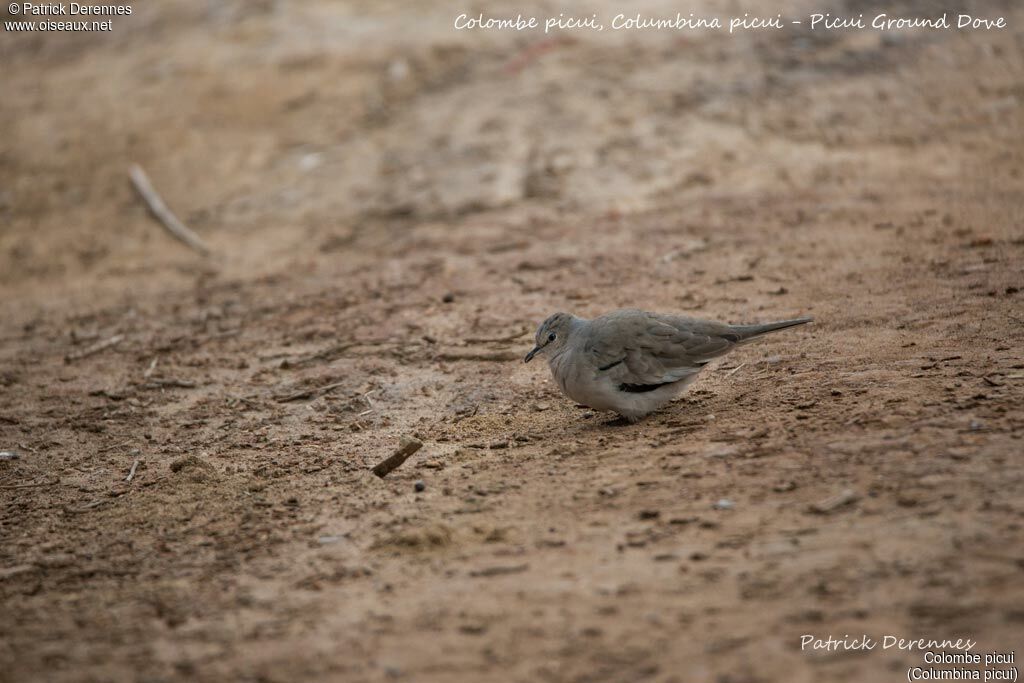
941, 660
734, 24
80, 17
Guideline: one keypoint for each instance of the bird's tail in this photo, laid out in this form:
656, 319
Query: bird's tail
748, 332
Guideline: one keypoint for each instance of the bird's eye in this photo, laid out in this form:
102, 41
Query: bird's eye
551, 337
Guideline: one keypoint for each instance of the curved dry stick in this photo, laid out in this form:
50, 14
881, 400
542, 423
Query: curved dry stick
163, 214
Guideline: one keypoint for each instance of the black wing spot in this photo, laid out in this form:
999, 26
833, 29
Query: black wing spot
641, 388
611, 365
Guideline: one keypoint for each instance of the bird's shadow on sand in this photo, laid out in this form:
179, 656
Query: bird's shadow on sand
663, 419
559, 426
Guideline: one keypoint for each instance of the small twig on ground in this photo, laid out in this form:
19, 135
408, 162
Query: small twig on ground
499, 570
113, 446
163, 214
151, 368
94, 349
507, 338
479, 355
224, 334
734, 370
325, 355
131, 473
85, 508
30, 486
309, 393
406, 447
160, 382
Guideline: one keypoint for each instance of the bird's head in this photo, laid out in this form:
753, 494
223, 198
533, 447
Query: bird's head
552, 335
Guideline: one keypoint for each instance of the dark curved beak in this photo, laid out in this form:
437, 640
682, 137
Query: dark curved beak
531, 354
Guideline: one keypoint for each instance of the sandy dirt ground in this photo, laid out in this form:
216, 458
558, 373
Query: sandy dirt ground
393, 206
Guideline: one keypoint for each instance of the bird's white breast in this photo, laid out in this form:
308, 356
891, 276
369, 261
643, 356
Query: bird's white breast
584, 384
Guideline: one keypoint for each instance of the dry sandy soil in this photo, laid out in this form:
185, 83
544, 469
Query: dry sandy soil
393, 206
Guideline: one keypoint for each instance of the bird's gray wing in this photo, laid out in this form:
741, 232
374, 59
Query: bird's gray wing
642, 349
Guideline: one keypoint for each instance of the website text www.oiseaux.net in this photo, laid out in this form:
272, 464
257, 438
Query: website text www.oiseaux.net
63, 17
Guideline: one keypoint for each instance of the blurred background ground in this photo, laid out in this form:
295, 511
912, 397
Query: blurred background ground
393, 206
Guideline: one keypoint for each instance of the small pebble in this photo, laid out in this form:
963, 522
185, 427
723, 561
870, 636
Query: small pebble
724, 504
419, 486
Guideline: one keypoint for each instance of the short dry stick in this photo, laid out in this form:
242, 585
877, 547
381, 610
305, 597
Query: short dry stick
131, 473
735, 370
407, 447
95, 348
